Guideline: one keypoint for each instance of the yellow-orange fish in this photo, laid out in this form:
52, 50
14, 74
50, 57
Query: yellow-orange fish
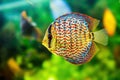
109, 22
71, 37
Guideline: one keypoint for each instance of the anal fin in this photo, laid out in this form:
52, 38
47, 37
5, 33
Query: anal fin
93, 50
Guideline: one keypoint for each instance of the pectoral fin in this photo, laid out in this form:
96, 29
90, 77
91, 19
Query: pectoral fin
101, 37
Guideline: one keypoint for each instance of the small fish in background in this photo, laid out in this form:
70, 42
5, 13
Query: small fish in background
29, 29
109, 22
71, 36
59, 7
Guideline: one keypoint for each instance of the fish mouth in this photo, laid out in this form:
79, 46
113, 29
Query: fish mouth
44, 43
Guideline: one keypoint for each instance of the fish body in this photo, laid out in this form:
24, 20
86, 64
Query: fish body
71, 37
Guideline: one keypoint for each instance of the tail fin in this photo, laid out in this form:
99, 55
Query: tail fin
101, 37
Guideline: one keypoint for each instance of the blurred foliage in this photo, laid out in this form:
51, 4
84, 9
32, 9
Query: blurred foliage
36, 62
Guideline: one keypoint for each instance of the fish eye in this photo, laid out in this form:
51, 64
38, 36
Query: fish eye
49, 36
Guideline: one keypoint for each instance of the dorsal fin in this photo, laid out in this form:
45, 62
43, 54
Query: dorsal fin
92, 22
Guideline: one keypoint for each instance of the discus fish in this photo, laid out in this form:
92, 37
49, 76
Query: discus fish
29, 28
70, 36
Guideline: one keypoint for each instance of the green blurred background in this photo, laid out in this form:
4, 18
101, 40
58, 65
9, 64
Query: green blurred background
25, 59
